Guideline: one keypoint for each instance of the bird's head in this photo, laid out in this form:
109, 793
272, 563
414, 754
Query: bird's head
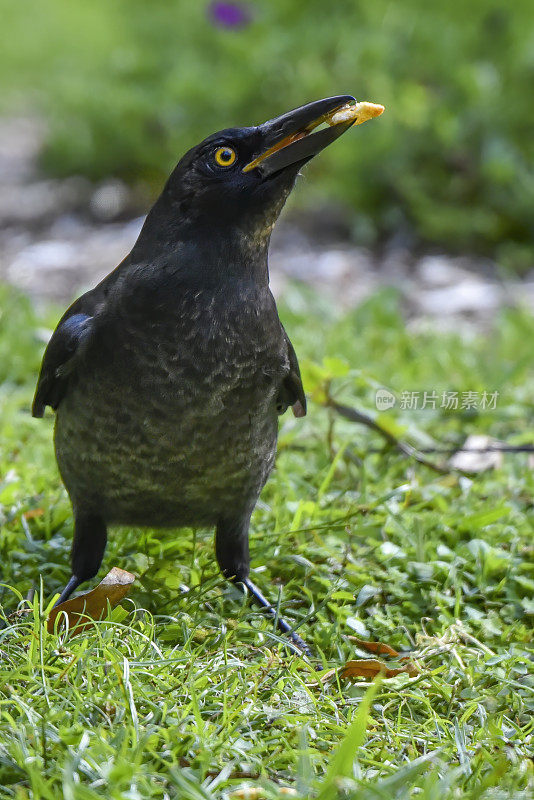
243, 176
217, 210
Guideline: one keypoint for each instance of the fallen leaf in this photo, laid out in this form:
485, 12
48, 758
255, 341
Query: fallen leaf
93, 605
379, 648
371, 667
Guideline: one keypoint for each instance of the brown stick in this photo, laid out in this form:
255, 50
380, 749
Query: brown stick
347, 412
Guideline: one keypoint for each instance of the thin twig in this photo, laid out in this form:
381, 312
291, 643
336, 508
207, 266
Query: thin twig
450, 451
364, 419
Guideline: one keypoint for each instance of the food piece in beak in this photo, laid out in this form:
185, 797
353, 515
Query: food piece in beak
355, 113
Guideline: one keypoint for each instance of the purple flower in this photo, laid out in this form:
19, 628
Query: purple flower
229, 15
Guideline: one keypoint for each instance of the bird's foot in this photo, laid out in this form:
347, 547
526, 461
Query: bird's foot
298, 644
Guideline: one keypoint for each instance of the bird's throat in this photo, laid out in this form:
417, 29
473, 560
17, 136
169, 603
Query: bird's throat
203, 250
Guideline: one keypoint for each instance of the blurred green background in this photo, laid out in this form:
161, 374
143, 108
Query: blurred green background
127, 85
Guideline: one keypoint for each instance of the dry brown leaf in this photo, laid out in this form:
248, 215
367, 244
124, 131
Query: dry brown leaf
371, 667
94, 605
33, 513
379, 648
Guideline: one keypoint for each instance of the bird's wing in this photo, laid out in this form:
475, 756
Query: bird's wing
61, 358
292, 391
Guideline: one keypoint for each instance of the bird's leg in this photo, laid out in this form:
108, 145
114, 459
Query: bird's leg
72, 585
283, 626
89, 543
231, 548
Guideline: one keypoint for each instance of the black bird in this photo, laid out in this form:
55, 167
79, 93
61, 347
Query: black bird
168, 377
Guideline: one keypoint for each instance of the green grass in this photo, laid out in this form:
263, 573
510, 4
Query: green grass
187, 692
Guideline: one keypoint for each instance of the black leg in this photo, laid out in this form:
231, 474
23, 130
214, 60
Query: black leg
71, 586
88, 546
283, 626
231, 548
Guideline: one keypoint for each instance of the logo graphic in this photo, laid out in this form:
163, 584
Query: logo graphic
384, 399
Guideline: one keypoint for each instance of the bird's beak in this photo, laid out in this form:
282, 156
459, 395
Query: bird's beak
290, 138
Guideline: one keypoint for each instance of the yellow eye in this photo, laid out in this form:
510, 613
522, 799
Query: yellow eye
225, 156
